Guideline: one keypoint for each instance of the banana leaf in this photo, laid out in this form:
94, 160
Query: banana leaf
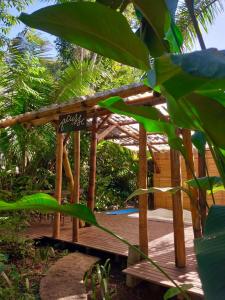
92, 26
211, 255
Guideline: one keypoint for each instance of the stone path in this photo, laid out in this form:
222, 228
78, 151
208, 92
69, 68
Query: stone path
64, 280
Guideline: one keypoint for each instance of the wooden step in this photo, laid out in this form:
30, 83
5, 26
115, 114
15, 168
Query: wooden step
189, 275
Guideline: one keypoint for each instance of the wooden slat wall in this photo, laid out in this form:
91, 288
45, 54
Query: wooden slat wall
163, 179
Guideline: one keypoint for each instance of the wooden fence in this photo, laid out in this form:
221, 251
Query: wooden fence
163, 179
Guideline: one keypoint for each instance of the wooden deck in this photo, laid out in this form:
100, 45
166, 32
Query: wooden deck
161, 247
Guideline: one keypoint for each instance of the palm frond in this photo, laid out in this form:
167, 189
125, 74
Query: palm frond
76, 80
206, 12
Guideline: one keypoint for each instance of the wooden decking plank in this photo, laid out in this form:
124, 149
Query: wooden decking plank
152, 275
158, 280
161, 247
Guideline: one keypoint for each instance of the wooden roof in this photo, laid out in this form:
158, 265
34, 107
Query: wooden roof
120, 129
124, 131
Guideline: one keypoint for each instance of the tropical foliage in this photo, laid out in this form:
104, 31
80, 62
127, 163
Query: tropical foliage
194, 90
196, 103
30, 80
7, 19
116, 175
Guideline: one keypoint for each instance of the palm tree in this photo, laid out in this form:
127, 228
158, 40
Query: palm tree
205, 11
28, 83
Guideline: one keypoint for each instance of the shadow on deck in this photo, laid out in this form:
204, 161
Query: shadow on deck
161, 247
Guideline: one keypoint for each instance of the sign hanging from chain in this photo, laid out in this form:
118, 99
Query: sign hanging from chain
72, 122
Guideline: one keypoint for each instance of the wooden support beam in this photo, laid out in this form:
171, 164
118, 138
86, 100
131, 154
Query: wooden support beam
178, 223
89, 104
120, 123
126, 136
133, 135
66, 138
67, 169
102, 123
86, 103
151, 100
190, 170
128, 122
76, 191
58, 183
117, 137
143, 199
202, 194
51, 113
92, 164
156, 167
104, 133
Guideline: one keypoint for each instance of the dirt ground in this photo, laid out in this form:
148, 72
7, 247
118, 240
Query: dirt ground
117, 284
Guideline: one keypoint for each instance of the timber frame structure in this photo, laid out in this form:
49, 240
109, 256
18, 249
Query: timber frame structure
104, 125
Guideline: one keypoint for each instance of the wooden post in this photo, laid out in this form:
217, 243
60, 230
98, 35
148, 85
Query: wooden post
194, 204
156, 167
143, 199
58, 182
133, 258
92, 173
202, 194
178, 224
76, 191
67, 169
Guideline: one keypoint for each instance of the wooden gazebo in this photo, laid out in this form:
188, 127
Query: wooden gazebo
123, 130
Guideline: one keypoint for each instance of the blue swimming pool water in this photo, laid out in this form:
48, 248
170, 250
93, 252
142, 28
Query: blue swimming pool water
122, 211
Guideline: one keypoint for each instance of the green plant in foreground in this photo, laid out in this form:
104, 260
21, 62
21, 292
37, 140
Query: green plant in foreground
197, 103
192, 83
99, 277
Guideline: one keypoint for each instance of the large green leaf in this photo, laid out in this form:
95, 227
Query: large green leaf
45, 202
182, 74
199, 141
172, 7
206, 183
158, 31
158, 20
172, 292
186, 80
150, 117
219, 158
209, 114
171, 190
115, 4
211, 255
92, 26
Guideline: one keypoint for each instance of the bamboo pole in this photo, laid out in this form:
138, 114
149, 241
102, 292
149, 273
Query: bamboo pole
194, 204
177, 201
58, 182
67, 168
92, 164
49, 114
143, 199
105, 132
130, 133
76, 192
103, 122
84, 103
202, 194
156, 167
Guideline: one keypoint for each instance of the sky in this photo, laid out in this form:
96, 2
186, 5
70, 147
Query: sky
37, 4
214, 38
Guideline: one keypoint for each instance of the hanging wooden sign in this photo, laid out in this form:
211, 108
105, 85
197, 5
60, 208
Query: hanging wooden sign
72, 122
